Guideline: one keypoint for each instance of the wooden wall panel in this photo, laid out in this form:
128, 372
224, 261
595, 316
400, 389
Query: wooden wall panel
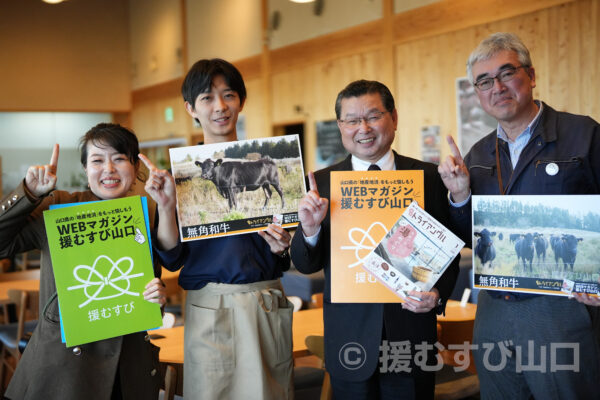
148, 119
304, 79
564, 42
72, 56
308, 93
451, 15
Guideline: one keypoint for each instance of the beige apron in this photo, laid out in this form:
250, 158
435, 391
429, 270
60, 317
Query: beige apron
238, 342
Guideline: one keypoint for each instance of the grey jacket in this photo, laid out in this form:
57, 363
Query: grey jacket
570, 141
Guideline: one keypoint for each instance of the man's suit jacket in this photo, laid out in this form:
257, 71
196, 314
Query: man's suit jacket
353, 331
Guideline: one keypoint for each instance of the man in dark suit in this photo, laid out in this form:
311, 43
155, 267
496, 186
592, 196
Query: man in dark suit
367, 119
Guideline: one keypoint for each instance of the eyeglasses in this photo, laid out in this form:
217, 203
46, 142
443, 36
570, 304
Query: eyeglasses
503, 76
370, 119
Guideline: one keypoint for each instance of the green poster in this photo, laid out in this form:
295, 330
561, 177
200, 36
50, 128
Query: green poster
101, 258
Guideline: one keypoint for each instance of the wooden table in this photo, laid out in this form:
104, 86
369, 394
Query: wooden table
28, 284
456, 313
457, 328
305, 323
166, 274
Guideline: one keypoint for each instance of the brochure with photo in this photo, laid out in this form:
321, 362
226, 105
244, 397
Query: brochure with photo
414, 253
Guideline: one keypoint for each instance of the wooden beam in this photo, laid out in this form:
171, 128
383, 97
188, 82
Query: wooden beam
251, 67
161, 90
389, 60
184, 41
265, 69
358, 39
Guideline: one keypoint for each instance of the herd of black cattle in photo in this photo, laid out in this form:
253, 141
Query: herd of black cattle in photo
529, 245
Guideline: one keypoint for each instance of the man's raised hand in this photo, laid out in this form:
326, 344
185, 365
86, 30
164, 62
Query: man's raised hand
312, 208
455, 174
41, 179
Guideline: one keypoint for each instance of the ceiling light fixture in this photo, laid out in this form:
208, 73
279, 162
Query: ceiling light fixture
53, 1
302, 1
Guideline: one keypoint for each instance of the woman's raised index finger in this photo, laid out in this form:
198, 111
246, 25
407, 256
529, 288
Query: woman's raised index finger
54, 157
454, 149
147, 162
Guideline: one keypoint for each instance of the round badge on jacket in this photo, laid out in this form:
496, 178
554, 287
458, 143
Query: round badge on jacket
552, 169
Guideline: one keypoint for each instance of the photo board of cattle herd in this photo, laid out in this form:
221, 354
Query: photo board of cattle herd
537, 244
237, 187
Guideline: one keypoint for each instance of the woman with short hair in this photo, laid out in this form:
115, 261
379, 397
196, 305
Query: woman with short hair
124, 367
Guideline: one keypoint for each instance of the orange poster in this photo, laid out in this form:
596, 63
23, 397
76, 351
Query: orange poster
364, 207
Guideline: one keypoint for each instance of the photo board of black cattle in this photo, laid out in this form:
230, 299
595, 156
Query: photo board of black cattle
237, 187
537, 244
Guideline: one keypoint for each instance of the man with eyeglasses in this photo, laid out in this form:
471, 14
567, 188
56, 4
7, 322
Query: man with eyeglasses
535, 150
367, 119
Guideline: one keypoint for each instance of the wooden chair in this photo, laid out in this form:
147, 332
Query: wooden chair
5, 265
316, 300
455, 385
451, 385
27, 303
172, 385
170, 382
27, 260
20, 275
33, 274
316, 345
175, 294
171, 281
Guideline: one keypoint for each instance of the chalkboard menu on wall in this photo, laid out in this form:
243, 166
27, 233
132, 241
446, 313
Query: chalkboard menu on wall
329, 144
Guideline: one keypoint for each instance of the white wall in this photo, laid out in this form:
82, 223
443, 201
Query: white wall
228, 29
155, 41
405, 5
27, 139
231, 29
298, 22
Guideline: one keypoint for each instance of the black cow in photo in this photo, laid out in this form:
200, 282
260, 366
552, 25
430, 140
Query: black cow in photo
513, 237
525, 250
484, 249
553, 241
541, 244
232, 177
566, 248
